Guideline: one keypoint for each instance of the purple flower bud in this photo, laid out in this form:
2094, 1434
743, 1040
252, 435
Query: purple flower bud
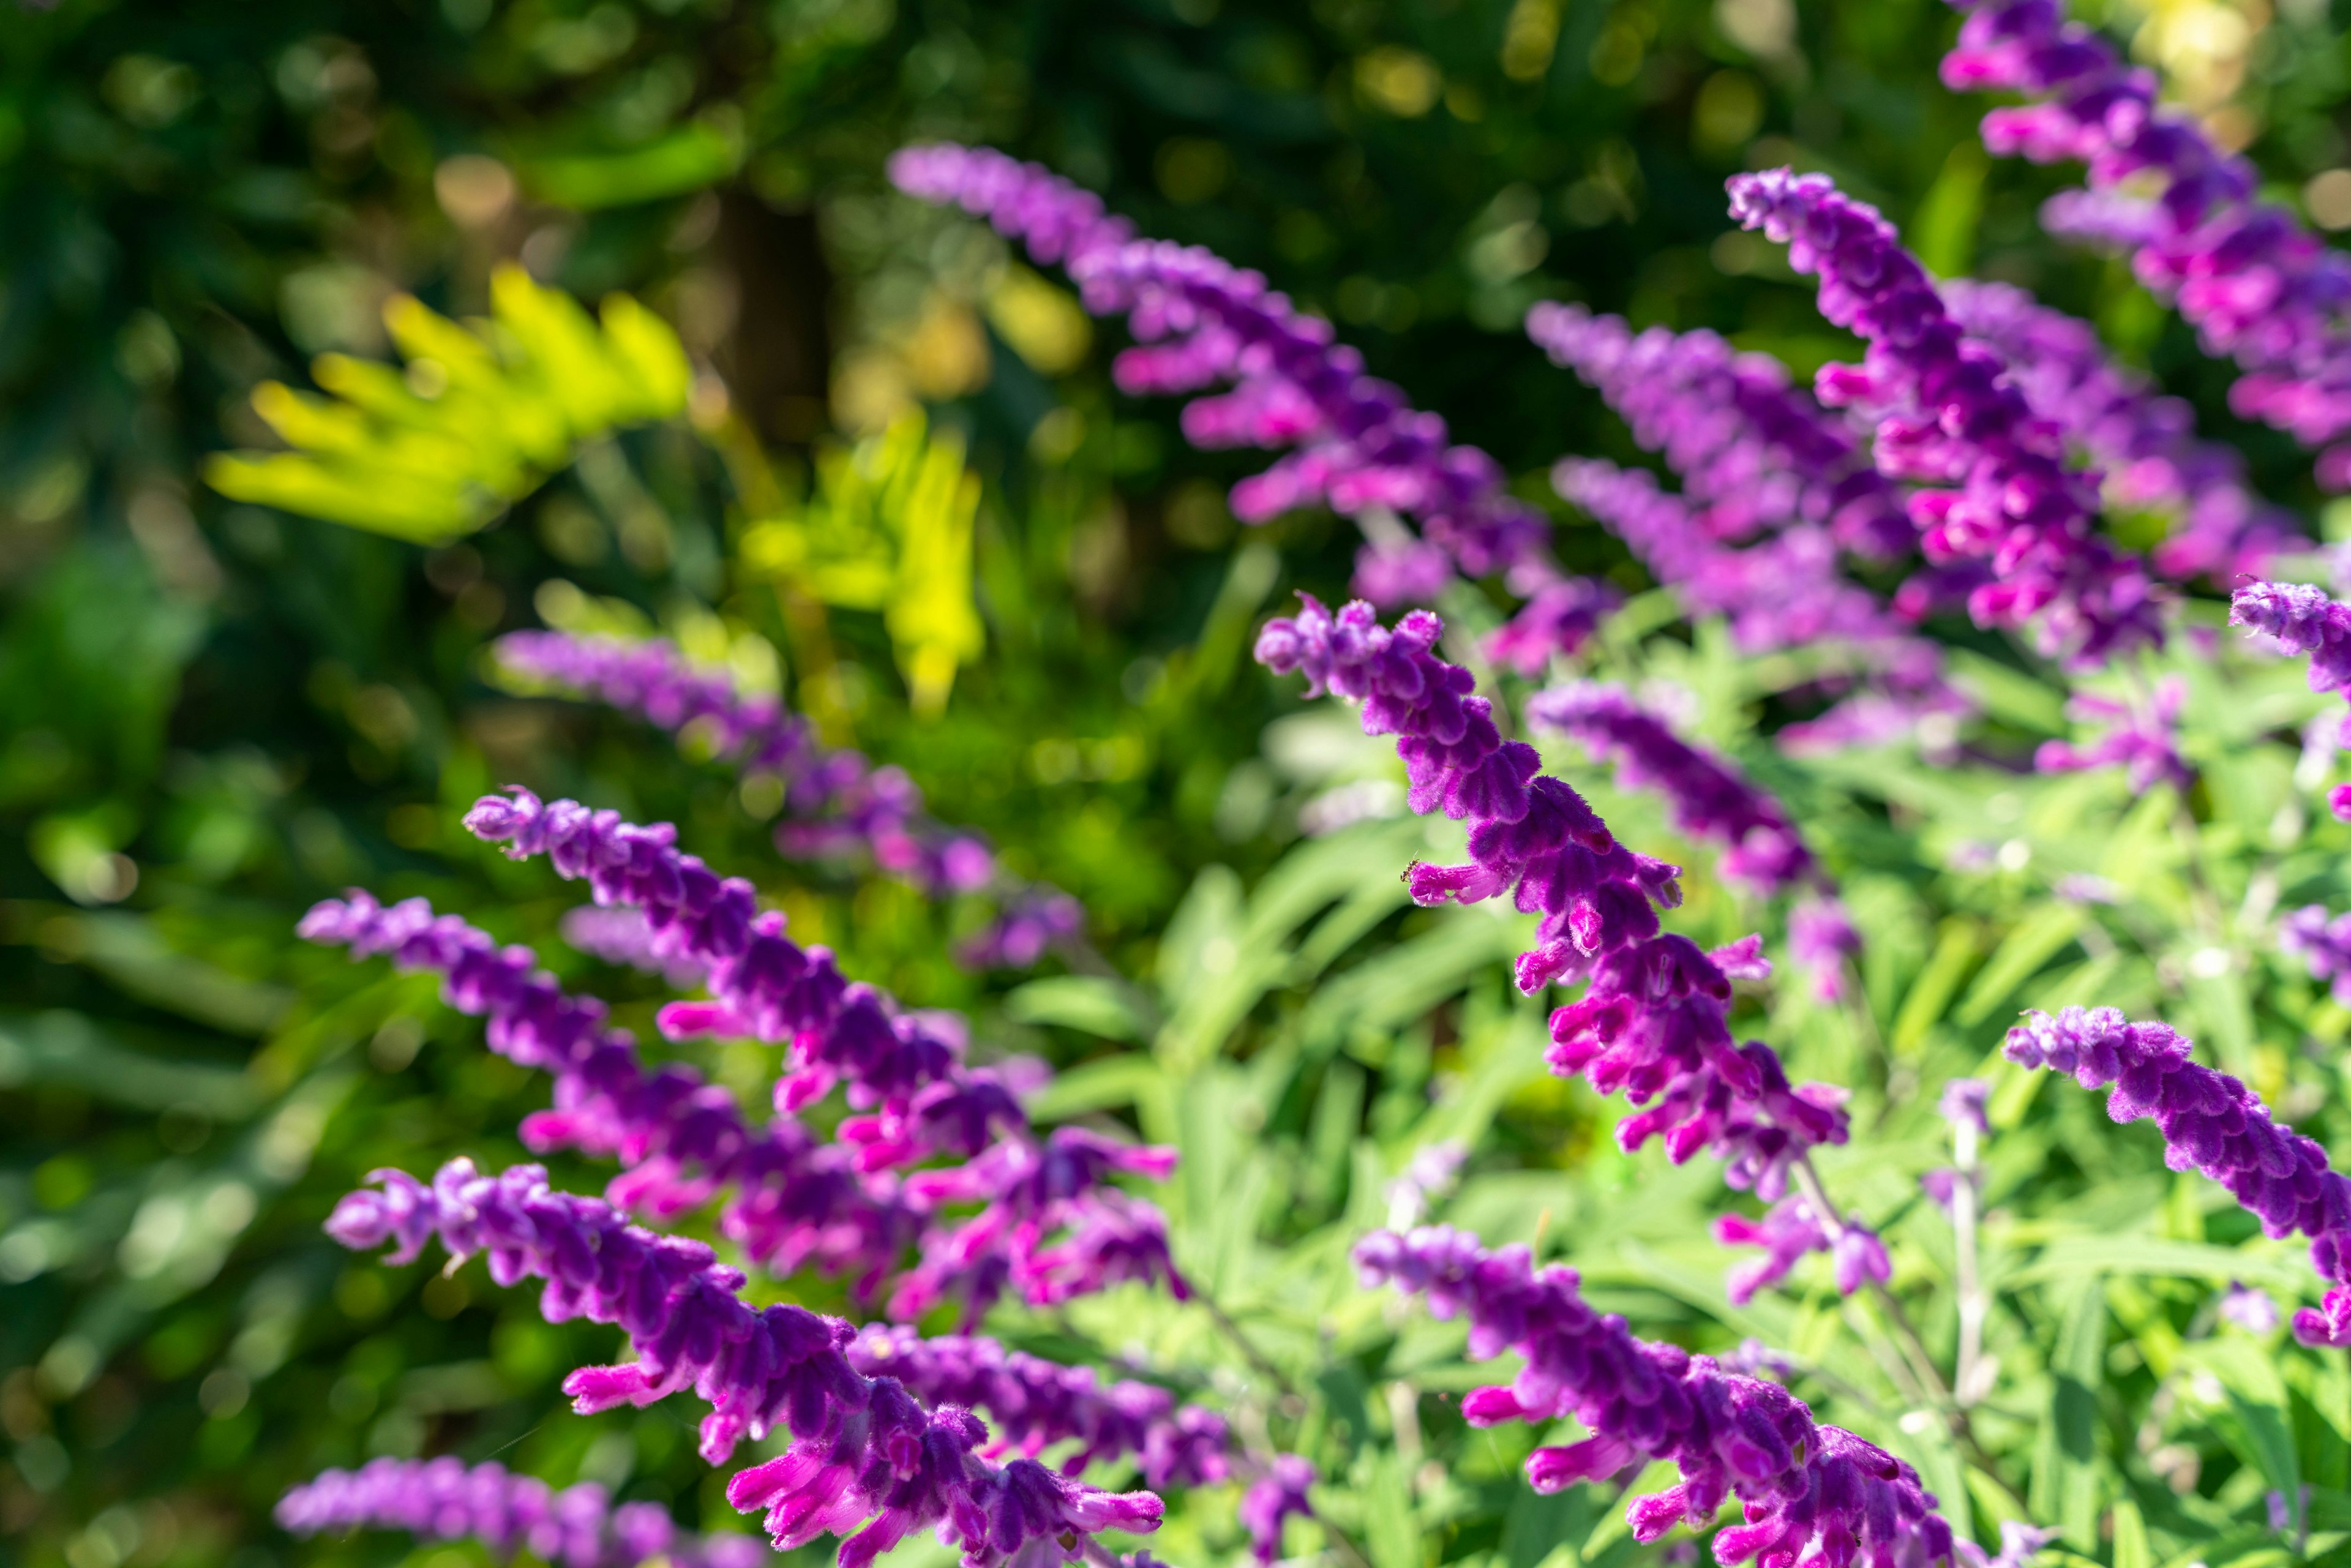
1270, 1499
2251, 1310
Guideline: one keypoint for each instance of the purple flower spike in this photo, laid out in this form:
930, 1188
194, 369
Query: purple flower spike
2146, 443
2257, 285
1200, 322
794, 1200
1785, 592
838, 803
1706, 796
1997, 489
2141, 739
1652, 1019
2211, 1123
1811, 1492
441, 1500
866, 1457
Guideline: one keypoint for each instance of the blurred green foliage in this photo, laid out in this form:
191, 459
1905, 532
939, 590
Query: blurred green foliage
213, 713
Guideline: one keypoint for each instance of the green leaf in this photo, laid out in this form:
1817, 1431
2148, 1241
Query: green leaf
2035, 940
2065, 1486
1086, 1003
1391, 1534
2131, 1549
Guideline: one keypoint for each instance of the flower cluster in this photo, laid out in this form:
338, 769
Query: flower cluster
1199, 323
796, 1199
1790, 1229
1652, 1019
836, 802
2141, 738
867, 1462
442, 1499
2146, 442
1995, 489
2257, 285
2211, 1123
1811, 1493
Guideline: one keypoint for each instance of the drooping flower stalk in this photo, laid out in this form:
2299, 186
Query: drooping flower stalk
1996, 489
1052, 1226
1811, 1492
1200, 322
2140, 738
2146, 442
837, 802
2212, 1123
442, 1499
2304, 624
2258, 285
1652, 1019
867, 1462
